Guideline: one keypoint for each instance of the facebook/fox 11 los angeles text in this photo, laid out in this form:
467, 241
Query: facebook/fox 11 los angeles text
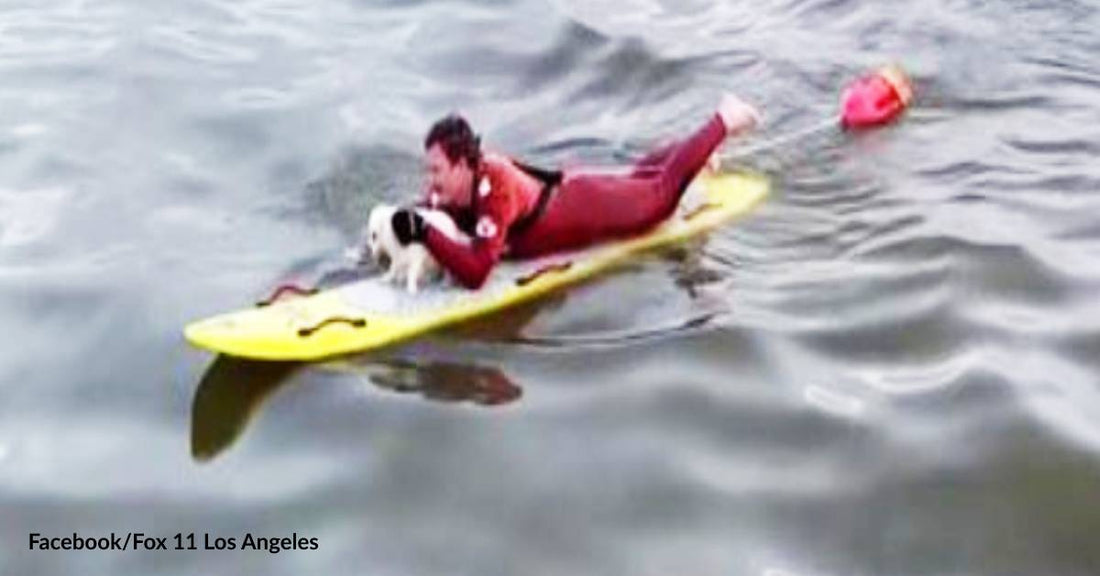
181, 541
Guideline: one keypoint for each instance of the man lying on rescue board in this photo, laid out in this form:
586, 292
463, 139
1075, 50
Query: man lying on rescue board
509, 208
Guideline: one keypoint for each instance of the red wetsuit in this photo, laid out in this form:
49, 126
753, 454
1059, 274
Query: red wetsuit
584, 208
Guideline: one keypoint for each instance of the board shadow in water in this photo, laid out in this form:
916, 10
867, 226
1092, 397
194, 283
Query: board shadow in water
228, 397
233, 391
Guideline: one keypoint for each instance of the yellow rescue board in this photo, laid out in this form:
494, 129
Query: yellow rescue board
369, 314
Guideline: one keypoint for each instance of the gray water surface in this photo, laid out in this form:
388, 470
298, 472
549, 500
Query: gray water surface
891, 368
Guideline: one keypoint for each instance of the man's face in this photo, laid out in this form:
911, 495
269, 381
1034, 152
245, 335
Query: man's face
448, 183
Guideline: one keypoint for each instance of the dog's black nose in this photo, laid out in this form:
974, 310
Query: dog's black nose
384, 261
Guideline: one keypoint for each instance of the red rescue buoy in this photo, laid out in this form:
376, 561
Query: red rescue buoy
876, 98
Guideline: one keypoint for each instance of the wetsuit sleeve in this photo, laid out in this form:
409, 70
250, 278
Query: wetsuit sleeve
471, 263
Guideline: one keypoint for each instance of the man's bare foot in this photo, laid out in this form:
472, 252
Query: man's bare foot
738, 115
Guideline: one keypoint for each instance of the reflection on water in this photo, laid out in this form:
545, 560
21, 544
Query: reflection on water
436, 381
233, 391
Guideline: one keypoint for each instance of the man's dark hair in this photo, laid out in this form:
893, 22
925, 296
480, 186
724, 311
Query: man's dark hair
456, 139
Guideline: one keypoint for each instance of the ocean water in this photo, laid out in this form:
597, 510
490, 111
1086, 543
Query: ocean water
890, 368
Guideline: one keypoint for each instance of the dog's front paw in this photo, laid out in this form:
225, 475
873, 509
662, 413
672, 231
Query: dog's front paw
412, 281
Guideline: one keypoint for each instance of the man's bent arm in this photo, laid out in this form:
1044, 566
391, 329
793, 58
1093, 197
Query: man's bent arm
470, 264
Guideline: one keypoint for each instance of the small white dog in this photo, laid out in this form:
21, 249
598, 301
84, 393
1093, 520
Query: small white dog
411, 264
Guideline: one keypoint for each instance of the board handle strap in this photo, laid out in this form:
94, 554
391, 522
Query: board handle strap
311, 330
283, 289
